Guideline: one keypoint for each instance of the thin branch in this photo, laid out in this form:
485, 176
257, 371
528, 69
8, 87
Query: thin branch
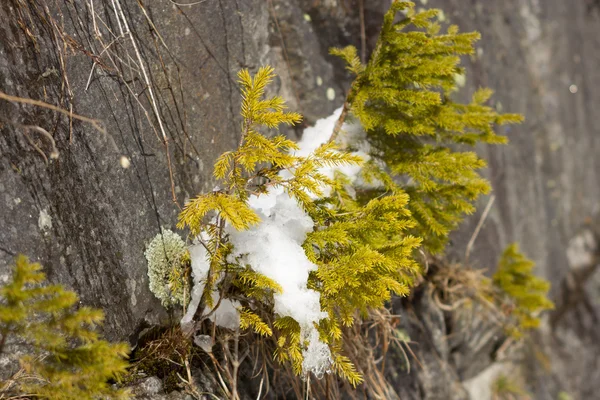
96, 31
339, 123
36, 148
188, 4
118, 19
94, 62
152, 97
260, 387
15, 99
488, 207
363, 34
44, 133
144, 73
235, 362
87, 85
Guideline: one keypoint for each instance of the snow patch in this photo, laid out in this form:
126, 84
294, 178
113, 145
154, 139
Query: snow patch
226, 315
351, 135
317, 356
274, 248
200, 267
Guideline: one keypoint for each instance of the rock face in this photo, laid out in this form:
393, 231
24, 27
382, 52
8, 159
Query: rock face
156, 72
537, 56
88, 214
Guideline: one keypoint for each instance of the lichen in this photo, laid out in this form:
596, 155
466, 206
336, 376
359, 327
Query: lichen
167, 258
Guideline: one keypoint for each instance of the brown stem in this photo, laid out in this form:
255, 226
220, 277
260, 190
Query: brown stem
3, 340
211, 312
198, 317
15, 99
198, 314
488, 207
235, 362
247, 124
363, 35
174, 196
340, 122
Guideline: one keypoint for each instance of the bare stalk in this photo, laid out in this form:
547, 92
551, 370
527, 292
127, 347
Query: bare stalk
487, 210
235, 363
152, 97
15, 99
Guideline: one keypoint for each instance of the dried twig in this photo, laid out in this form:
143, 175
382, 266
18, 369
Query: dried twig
45, 134
152, 97
488, 207
15, 99
188, 4
363, 34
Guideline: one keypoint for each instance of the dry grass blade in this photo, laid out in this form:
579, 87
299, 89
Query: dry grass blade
484, 216
15, 99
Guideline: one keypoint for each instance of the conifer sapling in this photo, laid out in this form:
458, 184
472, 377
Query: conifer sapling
403, 99
519, 287
70, 361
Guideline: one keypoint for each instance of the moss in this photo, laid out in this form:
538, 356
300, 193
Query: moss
164, 357
507, 388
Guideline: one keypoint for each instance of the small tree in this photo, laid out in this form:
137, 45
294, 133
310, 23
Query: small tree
521, 289
361, 235
259, 166
69, 360
402, 98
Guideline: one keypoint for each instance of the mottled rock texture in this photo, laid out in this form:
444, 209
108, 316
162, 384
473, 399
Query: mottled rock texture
153, 70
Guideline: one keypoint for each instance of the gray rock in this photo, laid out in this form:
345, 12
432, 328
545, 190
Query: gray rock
87, 215
148, 388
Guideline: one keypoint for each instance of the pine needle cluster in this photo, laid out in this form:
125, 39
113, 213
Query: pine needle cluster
365, 238
364, 256
69, 360
252, 169
402, 98
521, 289
260, 164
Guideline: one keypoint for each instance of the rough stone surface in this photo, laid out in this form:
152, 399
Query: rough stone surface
538, 57
88, 214
447, 348
148, 387
83, 216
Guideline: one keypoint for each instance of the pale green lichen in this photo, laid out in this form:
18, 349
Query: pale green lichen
167, 257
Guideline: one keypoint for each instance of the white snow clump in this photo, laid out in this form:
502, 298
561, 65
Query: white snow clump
226, 314
274, 248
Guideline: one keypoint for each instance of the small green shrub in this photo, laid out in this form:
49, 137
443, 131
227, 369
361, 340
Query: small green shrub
359, 237
522, 290
403, 99
254, 169
70, 361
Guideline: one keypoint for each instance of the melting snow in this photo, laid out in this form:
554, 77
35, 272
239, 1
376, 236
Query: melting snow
274, 249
